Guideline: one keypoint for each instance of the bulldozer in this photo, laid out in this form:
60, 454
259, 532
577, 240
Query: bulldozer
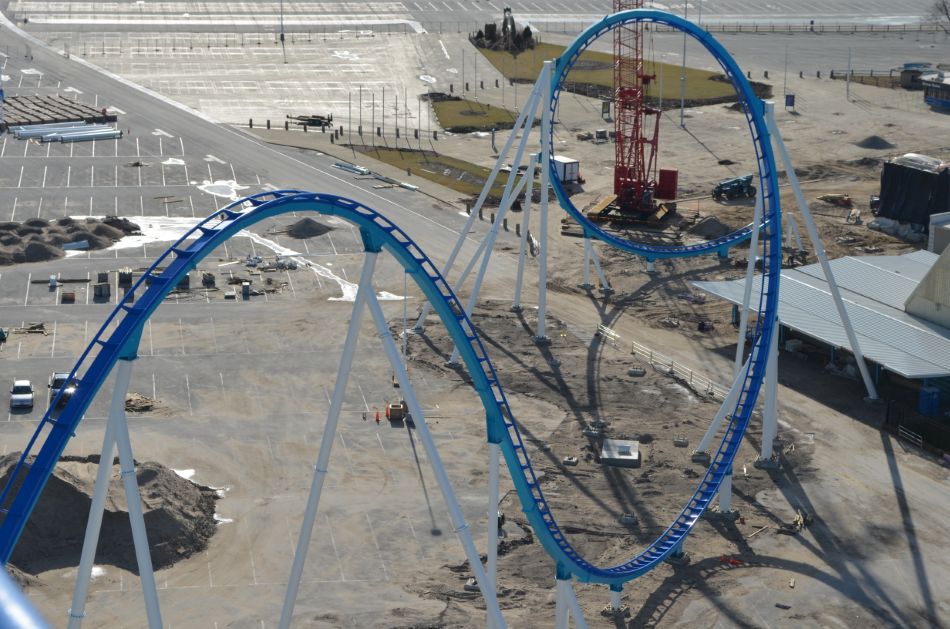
734, 188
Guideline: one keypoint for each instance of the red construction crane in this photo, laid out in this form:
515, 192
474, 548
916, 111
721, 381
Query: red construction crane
637, 125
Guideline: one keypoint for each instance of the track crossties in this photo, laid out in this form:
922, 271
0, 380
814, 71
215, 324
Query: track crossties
27, 110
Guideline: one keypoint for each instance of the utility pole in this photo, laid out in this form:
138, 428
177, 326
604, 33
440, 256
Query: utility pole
847, 88
282, 47
785, 78
683, 74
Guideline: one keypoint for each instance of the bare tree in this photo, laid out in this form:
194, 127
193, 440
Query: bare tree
940, 12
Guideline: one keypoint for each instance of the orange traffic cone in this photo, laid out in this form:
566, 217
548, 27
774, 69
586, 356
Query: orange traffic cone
387, 411
377, 415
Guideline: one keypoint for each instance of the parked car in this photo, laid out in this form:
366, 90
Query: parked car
60, 380
21, 394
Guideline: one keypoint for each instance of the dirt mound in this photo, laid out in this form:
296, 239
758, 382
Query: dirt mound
307, 228
40, 252
710, 228
122, 224
95, 242
107, 231
24, 230
875, 142
179, 516
36, 240
138, 403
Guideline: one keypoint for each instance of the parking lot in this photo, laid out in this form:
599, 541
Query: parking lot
242, 385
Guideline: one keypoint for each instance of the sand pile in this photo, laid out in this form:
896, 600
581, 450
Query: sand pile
36, 240
710, 228
307, 228
874, 142
179, 516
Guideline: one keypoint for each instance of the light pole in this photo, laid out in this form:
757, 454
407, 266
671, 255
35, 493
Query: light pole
683, 74
282, 47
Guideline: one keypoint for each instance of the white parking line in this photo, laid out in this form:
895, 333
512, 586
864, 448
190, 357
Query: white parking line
26, 298
92, 175
19, 182
333, 543
214, 340
290, 281
379, 553
52, 351
3, 149
188, 389
13, 213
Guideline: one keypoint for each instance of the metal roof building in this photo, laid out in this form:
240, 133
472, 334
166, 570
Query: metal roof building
874, 289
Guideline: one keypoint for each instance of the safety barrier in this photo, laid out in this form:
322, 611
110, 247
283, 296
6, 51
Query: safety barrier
697, 382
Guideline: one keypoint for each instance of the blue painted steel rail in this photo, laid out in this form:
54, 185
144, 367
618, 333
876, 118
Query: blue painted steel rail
751, 107
119, 337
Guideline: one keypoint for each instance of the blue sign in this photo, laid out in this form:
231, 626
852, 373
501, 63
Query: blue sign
1, 95
789, 101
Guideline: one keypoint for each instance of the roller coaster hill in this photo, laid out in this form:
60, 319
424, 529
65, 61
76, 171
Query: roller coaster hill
114, 348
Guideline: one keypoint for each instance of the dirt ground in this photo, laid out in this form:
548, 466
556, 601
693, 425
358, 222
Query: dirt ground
873, 554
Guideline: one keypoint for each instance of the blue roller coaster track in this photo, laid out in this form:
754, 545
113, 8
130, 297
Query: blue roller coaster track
119, 336
751, 107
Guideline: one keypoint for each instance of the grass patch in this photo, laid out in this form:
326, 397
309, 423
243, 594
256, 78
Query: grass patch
465, 116
593, 74
457, 174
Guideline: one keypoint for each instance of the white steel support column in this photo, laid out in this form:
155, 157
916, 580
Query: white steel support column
561, 608
604, 284
364, 290
525, 228
615, 603
587, 254
438, 468
793, 230
727, 406
134, 504
770, 409
725, 493
485, 249
819, 250
575, 607
545, 81
524, 124
100, 491
491, 568
749, 277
